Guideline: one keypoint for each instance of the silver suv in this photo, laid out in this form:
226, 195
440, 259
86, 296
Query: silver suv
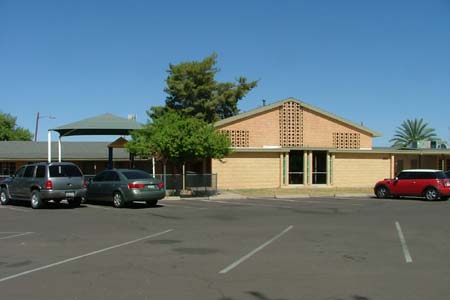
41, 182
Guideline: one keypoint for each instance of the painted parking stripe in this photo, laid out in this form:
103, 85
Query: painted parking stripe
13, 234
406, 253
245, 257
183, 206
84, 255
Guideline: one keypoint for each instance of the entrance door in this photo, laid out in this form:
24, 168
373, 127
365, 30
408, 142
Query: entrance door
296, 167
319, 171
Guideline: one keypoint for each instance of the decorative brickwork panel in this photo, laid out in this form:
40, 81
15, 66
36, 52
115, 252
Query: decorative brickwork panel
346, 140
291, 125
238, 138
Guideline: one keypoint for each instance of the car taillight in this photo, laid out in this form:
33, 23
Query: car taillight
160, 185
48, 185
136, 185
84, 184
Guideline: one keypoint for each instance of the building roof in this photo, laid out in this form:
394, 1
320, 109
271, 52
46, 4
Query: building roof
105, 124
265, 108
35, 151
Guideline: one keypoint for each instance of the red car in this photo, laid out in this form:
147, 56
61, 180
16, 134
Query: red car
431, 184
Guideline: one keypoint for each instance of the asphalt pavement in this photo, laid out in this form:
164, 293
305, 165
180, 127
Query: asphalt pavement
336, 248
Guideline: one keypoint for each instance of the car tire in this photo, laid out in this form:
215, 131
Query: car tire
4, 199
75, 202
431, 194
151, 202
118, 200
382, 192
36, 201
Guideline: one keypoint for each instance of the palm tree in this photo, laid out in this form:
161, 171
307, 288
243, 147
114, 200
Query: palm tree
412, 131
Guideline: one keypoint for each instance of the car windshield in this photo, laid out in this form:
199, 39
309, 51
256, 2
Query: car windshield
440, 175
136, 175
64, 171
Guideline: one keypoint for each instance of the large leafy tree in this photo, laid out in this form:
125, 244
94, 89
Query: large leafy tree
412, 131
193, 91
9, 131
177, 138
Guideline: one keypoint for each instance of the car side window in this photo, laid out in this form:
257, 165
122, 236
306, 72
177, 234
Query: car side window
29, 171
19, 173
99, 177
403, 175
111, 176
40, 172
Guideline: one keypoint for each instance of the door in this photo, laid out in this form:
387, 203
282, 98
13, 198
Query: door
111, 183
319, 171
296, 167
16, 183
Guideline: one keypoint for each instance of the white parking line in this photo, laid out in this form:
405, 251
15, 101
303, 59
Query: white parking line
84, 255
101, 207
182, 206
245, 257
15, 234
406, 253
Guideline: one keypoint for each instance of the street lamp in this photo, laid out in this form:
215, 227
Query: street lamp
38, 116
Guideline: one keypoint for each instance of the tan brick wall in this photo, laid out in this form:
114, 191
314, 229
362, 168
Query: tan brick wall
318, 131
360, 170
248, 170
264, 129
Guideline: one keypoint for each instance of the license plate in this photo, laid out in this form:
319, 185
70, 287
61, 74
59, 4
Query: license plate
151, 186
70, 194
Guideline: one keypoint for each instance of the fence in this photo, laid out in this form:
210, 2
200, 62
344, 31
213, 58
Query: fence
196, 184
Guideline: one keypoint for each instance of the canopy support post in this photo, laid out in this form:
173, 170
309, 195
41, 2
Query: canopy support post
59, 149
49, 147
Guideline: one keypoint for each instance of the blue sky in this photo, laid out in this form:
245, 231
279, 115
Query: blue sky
375, 62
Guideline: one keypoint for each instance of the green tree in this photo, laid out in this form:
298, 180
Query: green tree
193, 91
177, 138
9, 131
412, 131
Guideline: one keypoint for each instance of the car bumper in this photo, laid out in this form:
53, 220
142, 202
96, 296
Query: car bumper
137, 195
58, 194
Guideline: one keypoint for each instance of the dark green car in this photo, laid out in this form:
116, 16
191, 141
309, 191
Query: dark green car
122, 186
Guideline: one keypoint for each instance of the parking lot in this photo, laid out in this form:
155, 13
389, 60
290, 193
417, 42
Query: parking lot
256, 249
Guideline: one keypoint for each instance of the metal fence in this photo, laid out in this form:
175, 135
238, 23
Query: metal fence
195, 184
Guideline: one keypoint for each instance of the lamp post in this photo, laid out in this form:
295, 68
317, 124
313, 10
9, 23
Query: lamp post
38, 116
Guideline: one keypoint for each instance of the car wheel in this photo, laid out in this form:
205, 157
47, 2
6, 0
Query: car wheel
4, 199
431, 194
118, 200
75, 202
36, 201
382, 192
151, 202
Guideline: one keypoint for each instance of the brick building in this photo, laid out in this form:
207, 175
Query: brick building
291, 143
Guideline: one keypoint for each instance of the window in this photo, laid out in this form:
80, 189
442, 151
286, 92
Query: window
20, 172
40, 172
404, 175
100, 177
29, 171
111, 176
64, 171
136, 175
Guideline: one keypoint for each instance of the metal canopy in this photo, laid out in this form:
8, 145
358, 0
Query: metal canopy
106, 124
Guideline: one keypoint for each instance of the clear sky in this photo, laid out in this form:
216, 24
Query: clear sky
376, 62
